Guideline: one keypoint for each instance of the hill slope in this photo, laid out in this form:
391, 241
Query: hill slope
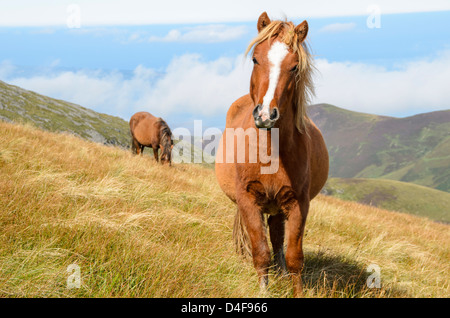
413, 149
138, 229
393, 195
20, 105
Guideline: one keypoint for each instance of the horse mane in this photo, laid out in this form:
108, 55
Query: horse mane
165, 134
284, 31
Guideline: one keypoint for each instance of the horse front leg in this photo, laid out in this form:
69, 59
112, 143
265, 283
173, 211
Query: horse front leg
135, 146
155, 153
294, 251
253, 221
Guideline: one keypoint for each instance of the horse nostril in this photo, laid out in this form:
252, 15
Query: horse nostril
256, 111
275, 114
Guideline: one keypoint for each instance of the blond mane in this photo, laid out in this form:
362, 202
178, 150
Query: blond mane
284, 31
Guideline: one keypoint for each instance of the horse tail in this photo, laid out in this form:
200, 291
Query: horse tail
240, 236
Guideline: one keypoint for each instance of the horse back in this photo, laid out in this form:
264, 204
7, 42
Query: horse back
144, 128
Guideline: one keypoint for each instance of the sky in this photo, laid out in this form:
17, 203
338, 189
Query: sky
184, 60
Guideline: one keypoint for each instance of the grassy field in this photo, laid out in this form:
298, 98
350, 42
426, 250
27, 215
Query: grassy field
393, 195
137, 229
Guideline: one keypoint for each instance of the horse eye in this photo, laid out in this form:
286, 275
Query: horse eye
294, 68
255, 61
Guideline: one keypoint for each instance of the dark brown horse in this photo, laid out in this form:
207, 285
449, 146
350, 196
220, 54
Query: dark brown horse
280, 87
150, 131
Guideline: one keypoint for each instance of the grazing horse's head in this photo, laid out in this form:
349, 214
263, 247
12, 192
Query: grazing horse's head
166, 145
281, 74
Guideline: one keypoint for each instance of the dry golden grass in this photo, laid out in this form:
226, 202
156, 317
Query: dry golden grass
137, 229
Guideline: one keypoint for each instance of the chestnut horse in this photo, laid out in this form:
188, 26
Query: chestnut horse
150, 131
280, 88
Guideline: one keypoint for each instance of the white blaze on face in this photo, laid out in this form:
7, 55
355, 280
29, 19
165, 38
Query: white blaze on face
276, 55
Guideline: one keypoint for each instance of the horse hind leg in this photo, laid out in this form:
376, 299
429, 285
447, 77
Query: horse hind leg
135, 146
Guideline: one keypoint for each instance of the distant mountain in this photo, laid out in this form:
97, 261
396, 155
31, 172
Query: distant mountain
412, 149
20, 105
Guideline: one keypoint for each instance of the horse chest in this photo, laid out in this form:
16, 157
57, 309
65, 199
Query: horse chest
272, 192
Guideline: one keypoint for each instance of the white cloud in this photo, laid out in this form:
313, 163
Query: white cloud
89, 89
199, 88
412, 87
189, 85
6, 69
338, 27
172, 36
203, 34
194, 86
138, 12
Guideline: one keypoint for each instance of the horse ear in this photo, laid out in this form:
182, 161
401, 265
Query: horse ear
302, 31
263, 21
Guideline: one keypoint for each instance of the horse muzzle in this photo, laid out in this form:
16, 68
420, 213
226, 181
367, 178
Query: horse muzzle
265, 120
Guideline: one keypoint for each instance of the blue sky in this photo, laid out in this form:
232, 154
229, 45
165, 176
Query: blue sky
195, 69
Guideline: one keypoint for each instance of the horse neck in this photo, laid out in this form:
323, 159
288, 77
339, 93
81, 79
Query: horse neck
163, 139
287, 122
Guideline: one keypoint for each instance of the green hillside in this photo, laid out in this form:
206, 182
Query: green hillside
20, 105
393, 195
412, 149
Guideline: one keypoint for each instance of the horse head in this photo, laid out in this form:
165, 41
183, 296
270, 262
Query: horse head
166, 146
281, 62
